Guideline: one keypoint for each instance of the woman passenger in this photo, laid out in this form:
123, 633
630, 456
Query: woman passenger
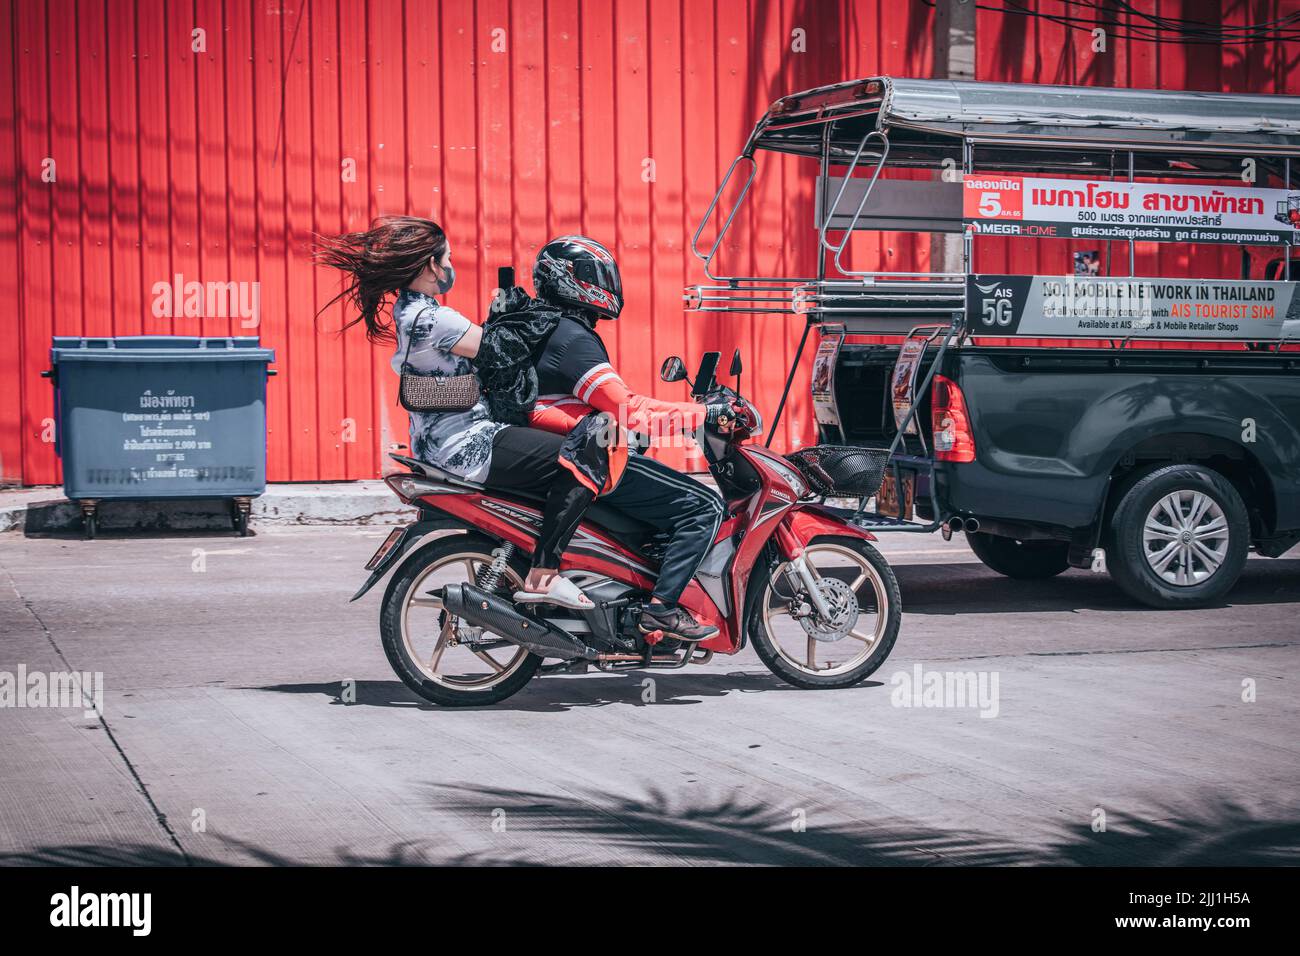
409, 259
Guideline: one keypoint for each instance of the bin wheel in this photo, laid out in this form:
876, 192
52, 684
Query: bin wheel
89, 519
239, 516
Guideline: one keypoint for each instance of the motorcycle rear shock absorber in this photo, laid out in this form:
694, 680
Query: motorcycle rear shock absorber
489, 576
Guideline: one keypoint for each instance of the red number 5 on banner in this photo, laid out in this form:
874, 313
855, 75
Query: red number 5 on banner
993, 197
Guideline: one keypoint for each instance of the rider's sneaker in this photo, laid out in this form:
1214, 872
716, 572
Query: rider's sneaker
674, 622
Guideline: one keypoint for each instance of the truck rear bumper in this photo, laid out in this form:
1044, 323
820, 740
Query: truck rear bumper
1049, 504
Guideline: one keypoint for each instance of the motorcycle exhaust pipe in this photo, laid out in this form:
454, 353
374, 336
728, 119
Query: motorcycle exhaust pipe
956, 524
972, 524
493, 613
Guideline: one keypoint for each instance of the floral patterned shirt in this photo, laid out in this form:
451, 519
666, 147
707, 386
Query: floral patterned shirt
458, 442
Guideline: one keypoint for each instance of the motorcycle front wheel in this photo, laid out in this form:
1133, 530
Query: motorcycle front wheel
809, 651
432, 651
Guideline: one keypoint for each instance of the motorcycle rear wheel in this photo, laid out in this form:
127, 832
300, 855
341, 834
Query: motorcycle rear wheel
417, 634
805, 661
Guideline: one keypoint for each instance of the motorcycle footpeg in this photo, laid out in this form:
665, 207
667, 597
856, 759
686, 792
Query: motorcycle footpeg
496, 614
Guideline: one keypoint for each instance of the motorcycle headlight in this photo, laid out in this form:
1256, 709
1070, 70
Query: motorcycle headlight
799, 485
791, 475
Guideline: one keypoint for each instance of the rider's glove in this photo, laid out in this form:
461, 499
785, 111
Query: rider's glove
720, 415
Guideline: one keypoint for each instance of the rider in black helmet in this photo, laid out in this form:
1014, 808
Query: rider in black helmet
580, 276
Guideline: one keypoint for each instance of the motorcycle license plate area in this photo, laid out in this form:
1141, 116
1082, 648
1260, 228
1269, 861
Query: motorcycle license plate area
390, 542
887, 498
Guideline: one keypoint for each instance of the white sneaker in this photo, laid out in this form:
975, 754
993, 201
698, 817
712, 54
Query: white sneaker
561, 592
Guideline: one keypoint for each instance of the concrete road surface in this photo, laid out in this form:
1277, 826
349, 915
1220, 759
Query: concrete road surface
1117, 734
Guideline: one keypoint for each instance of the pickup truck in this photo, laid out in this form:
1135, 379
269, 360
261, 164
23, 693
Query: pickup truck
1159, 439
1165, 466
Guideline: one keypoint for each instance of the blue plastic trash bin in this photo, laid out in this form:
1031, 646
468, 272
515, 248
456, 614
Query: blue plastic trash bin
161, 416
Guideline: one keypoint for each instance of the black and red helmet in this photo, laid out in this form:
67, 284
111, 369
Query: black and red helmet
580, 273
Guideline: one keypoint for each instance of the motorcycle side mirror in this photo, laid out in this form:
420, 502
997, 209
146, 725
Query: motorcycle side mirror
736, 366
673, 370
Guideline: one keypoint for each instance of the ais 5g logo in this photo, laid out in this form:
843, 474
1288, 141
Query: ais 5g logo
996, 305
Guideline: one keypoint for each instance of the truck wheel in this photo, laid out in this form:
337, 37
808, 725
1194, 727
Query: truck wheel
1025, 560
1179, 537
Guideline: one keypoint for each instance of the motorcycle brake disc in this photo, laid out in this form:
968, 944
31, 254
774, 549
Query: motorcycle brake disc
843, 604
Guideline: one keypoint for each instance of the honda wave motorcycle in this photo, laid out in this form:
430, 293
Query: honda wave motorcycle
789, 573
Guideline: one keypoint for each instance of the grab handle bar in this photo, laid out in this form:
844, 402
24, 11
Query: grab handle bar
838, 248
708, 213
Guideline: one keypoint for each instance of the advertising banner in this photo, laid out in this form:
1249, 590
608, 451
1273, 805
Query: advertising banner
902, 387
1097, 307
1149, 212
823, 377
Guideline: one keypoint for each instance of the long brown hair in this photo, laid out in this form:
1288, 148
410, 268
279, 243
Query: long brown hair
388, 256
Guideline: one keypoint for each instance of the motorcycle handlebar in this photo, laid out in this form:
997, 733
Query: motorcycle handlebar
747, 417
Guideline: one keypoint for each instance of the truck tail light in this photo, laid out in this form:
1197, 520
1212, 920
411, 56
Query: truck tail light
953, 438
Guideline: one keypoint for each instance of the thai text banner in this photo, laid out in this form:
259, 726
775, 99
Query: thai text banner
1093, 307
1151, 212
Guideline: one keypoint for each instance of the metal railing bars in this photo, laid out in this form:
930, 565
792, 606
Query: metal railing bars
952, 330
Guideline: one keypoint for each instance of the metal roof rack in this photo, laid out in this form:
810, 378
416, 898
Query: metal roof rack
1023, 112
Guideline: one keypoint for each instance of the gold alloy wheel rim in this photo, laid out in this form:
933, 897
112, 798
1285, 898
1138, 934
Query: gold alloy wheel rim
862, 635
438, 651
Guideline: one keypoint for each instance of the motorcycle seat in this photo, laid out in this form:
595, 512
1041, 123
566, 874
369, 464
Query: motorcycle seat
611, 519
427, 470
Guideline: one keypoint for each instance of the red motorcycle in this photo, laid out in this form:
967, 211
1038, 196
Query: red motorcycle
786, 571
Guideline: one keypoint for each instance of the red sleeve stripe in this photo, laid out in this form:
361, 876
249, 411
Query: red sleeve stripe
589, 374
596, 383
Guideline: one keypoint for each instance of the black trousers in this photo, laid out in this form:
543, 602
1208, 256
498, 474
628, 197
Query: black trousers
687, 511
527, 460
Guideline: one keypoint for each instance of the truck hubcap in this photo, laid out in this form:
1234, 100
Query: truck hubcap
1185, 538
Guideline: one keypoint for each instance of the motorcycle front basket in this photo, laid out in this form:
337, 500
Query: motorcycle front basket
845, 470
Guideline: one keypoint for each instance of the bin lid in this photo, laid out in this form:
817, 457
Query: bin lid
159, 348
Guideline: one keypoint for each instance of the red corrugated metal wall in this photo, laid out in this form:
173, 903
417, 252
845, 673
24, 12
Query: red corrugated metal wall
134, 149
